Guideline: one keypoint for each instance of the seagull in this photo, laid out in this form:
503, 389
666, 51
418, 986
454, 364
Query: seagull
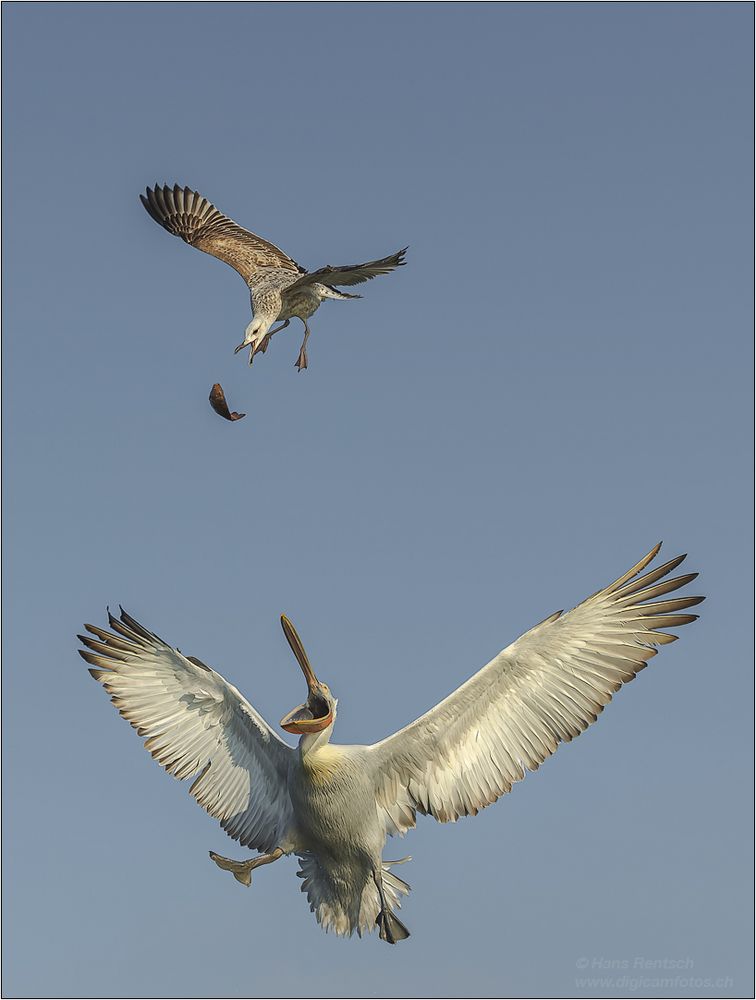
280, 289
334, 806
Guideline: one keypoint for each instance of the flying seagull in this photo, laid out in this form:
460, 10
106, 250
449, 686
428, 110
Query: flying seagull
280, 289
334, 806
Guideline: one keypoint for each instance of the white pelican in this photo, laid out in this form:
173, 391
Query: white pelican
280, 289
334, 806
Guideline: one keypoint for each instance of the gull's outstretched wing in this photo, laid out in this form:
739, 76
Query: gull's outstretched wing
195, 721
352, 274
546, 688
187, 214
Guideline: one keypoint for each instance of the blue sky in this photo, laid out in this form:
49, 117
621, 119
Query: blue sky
559, 378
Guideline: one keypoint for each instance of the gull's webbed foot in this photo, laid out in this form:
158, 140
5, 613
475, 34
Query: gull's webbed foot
262, 347
301, 361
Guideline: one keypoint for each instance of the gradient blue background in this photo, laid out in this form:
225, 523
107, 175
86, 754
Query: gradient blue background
558, 378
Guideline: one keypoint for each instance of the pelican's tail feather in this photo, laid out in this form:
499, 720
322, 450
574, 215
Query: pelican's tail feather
345, 900
394, 885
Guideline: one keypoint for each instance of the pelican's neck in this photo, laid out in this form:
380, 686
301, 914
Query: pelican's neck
311, 742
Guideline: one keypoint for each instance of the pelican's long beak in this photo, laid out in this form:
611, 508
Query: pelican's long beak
316, 713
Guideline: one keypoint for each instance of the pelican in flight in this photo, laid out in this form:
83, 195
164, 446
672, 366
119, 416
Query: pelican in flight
334, 806
280, 289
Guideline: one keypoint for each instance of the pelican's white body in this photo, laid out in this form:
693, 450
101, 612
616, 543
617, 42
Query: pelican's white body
339, 835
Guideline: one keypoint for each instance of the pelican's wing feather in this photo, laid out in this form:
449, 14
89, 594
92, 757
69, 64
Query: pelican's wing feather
352, 274
544, 689
195, 723
187, 214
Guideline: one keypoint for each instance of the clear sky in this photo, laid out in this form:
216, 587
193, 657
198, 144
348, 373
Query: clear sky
558, 378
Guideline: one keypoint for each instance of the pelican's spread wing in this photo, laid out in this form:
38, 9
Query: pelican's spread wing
352, 274
195, 722
546, 688
187, 214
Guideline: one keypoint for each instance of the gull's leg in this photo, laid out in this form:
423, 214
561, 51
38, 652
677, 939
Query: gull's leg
301, 361
242, 870
390, 927
277, 329
262, 347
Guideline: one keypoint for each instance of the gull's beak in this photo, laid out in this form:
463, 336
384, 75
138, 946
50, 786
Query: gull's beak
316, 713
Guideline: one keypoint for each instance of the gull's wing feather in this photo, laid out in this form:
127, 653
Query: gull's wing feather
187, 214
352, 274
195, 722
546, 688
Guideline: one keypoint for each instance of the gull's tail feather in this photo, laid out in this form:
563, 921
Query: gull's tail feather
334, 293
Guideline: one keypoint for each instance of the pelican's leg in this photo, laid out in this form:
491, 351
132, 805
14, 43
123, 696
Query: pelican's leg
390, 927
242, 870
301, 361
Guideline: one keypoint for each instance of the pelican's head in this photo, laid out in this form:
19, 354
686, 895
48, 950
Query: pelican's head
319, 711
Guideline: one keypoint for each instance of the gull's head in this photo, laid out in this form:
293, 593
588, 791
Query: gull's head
319, 711
257, 329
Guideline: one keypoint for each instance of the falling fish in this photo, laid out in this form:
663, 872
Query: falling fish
219, 404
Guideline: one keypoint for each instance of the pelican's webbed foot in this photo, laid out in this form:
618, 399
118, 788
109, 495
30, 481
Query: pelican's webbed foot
242, 870
390, 927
